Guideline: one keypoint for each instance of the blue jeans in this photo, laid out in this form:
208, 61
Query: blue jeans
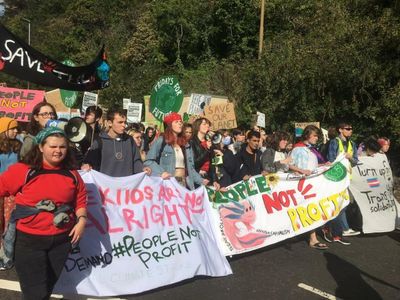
338, 225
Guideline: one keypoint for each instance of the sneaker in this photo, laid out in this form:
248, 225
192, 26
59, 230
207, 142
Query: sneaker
327, 235
350, 232
6, 266
341, 240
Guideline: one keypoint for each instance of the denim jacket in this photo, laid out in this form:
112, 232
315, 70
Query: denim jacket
168, 161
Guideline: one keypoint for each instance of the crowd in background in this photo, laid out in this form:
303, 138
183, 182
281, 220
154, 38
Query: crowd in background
194, 154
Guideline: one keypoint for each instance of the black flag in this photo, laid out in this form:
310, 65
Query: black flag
20, 60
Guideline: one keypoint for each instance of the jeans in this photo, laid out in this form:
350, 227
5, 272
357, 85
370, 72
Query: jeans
338, 225
39, 261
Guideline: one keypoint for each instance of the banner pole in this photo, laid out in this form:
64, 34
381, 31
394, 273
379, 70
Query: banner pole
97, 103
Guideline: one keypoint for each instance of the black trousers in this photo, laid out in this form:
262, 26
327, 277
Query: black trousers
39, 261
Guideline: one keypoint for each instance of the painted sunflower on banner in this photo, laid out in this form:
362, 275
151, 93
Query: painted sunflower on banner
272, 180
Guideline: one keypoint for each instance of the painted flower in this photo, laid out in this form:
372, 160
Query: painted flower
272, 180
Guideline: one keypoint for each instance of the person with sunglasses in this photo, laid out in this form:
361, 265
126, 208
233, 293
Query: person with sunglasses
41, 114
339, 227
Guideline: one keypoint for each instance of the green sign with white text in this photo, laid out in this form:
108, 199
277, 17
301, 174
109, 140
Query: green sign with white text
166, 97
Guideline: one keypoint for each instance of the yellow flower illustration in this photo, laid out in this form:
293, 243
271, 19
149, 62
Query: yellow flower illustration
272, 180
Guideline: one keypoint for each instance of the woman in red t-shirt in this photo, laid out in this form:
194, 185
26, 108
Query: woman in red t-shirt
43, 241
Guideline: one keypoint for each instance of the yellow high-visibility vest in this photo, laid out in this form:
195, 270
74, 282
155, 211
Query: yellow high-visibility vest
341, 147
349, 151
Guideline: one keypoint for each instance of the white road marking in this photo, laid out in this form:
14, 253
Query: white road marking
317, 291
14, 286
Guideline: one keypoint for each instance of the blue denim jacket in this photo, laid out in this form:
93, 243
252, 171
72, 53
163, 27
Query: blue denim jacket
168, 162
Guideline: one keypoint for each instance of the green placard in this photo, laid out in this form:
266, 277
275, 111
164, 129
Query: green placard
68, 97
166, 97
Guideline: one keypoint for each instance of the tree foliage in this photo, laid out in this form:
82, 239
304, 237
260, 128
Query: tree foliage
322, 60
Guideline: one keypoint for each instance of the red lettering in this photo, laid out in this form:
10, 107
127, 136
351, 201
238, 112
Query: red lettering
104, 196
271, 203
149, 193
129, 217
171, 211
136, 196
291, 195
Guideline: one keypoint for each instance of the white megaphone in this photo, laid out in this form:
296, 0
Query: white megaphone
75, 129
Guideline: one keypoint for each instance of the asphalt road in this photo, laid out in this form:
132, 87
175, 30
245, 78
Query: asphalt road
367, 269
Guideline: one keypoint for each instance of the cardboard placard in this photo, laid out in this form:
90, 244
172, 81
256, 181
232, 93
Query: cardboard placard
222, 116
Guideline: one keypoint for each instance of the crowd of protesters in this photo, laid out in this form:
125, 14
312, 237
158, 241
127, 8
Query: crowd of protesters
194, 154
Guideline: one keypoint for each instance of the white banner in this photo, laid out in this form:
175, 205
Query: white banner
265, 210
142, 233
372, 187
134, 114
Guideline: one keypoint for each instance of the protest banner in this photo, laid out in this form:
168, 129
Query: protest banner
125, 102
265, 210
222, 116
197, 103
372, 188
19, 59
299, 127
89, 99
142, 233
166, 97
18, 103
261, 119
134, 114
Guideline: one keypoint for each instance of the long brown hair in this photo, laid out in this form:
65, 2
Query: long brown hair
34, 158
170, 138
34, 126
9, 145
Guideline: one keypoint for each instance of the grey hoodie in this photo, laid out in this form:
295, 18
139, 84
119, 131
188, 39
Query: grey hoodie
102, 156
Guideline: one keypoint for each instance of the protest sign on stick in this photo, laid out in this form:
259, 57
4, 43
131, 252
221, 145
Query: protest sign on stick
134, 114
89, 99
197, 103
261, 119
125, 102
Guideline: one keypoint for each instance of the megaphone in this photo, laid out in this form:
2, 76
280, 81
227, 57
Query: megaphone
75, 129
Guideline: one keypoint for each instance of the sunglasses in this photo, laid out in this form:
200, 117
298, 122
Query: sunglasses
348, 128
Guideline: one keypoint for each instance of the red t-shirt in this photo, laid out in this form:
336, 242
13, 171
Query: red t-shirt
56, 187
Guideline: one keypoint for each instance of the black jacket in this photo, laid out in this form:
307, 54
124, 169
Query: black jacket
249, 164
229, 170
201, 155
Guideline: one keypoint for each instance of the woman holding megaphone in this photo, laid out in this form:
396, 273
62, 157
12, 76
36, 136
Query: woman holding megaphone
41, 114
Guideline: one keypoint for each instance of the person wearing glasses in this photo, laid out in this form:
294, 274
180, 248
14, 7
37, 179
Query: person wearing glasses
339, 227
41, 114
